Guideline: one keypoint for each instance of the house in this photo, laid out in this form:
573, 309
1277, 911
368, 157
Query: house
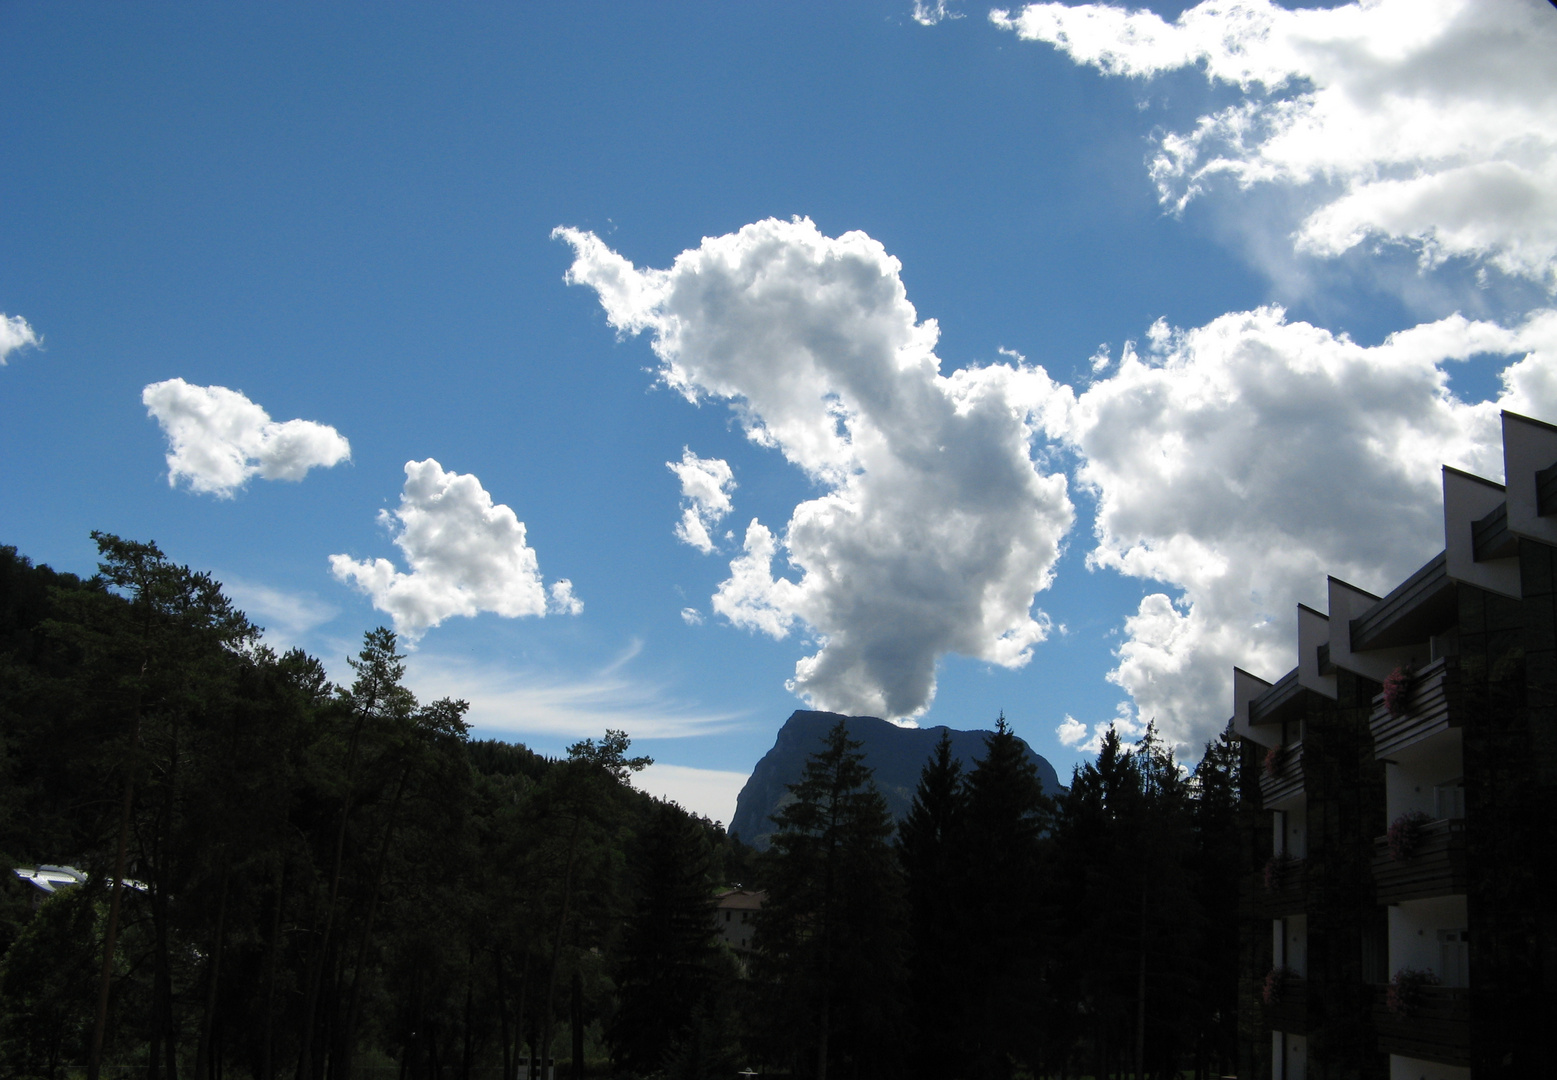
1400, 917
736, 916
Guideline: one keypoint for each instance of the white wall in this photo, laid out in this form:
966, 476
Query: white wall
1413, 932
1406, 1068
1419, 768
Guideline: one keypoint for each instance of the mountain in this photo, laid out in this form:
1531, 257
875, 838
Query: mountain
897, 754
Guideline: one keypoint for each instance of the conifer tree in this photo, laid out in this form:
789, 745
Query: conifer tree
932, 849
1008, 822
829, 937
671, 963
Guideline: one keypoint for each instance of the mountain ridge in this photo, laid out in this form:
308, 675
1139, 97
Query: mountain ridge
896, 755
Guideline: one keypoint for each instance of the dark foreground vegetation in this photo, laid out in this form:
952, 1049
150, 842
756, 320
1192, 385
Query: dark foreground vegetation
318, 882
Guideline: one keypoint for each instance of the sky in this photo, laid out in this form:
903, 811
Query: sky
671, 367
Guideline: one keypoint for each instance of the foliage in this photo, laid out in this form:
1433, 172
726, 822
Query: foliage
337, 876
1405, 834
1405, 993
1397, 689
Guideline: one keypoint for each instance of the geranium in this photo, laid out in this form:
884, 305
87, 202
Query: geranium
1275, 982
1405, 834
1397, 688
1275, 761
1276, 868
1404, 996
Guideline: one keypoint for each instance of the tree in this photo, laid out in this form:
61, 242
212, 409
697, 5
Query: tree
932, 850
830, 935
670, 959
1008, 822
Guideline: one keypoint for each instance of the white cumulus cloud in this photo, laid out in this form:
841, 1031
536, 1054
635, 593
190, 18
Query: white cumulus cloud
691, 616
935, 528
218, 439
706, 484
1242, 461
467, 555
15, 335
1426, 122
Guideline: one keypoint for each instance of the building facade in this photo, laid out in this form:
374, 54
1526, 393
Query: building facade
1401, 919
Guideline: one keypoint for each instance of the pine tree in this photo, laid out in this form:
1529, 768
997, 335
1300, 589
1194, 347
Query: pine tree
1009, 818
829, 936
932, 849
670, 959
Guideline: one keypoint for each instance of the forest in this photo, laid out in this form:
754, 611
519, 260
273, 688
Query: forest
287, 878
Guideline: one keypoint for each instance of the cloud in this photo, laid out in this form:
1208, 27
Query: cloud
466, 554
540, 703
709, 792
930, 13
934, 530
563, 602
691, 616
1071, 731
286, 616
706, 484
1431, 123
218, 439
15, 335
1242, 461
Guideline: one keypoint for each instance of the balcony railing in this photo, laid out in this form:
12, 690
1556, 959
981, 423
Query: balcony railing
1435, 868
1285, 777
1431, 706
1437, 1027
1289, 1012
1282, 889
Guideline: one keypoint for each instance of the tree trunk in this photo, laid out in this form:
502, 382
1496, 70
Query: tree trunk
1140, 999
502, 1014
267, 1039
316, 972
556, 948
111, 934
213, 973
576, 1022
348, 1038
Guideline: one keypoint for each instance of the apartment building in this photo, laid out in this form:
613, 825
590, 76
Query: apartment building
1401, 919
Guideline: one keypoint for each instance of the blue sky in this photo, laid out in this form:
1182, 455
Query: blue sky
1209, 317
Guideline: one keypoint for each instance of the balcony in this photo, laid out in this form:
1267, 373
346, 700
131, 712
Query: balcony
1282, 890
1431, 707
1437, 1028
1435, 868
1289, 1012
1282, 777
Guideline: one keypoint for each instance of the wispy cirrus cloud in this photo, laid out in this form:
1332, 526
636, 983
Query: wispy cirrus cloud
510, 701
287, 617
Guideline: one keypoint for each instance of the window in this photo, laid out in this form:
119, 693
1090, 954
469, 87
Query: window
1454, 955
1449, 800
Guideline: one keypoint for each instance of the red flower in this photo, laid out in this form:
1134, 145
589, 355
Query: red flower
1404, 996
1405, 834
1397, 688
